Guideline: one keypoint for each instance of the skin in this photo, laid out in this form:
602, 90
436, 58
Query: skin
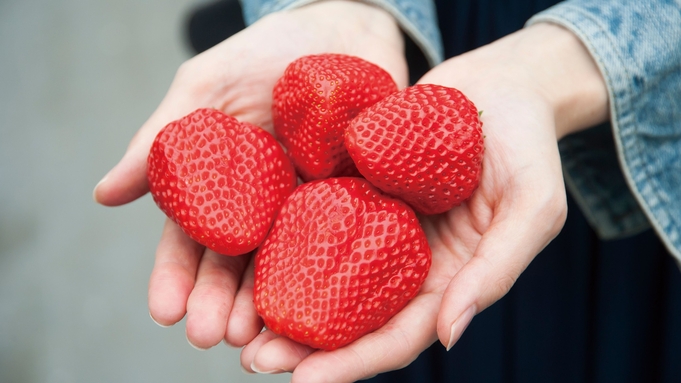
236, 77
534, 86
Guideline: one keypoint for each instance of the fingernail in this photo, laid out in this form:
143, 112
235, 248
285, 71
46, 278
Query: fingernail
460, 325
245, 371
94, 191
160, 325
195, 346
275, 371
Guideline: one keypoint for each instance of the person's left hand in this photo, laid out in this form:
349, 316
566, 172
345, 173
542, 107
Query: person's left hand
479, 248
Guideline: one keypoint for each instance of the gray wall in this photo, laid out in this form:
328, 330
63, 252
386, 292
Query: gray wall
77, 79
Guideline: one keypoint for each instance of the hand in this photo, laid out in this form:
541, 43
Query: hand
481, 247
237, 77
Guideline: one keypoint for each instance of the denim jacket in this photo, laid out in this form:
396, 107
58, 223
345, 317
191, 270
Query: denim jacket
626, 175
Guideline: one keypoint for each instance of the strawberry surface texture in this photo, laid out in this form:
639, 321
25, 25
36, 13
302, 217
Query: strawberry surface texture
313, 103
222, 181
342, 258
423, 144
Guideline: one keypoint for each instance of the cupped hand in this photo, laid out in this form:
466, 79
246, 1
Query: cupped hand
481, 247
237, 77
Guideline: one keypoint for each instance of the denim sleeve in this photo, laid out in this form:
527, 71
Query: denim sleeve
417, 18
626, 176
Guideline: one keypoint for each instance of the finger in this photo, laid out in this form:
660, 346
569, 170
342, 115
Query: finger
210, 302
391, 347
279, 355
172, 278
127, 180
505, 250
249, 351
244, 323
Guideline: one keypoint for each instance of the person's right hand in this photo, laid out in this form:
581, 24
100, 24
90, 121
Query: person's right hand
237, 77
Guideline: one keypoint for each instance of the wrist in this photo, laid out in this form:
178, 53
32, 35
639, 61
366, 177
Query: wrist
564, 73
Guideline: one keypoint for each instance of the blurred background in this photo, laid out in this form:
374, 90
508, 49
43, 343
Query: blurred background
77, 79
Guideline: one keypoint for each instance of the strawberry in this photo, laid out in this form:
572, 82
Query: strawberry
423, 144
314, 101
342, 258
222, 181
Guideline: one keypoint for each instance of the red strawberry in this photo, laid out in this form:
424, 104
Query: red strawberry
222, 181
314, 102
423, 144
342, 258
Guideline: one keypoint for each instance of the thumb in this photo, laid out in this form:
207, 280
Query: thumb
505, 250
127, 181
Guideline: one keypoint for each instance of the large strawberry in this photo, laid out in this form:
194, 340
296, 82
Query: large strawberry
342, 258
313, 103
423, 144
222, 181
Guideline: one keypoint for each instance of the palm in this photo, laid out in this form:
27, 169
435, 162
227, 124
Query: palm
516, 182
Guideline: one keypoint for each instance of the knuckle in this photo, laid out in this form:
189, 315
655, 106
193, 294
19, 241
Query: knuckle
184, 70
504, 283
189, 72
551, 209
558, 210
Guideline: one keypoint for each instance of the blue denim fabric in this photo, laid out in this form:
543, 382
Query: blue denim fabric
627, 176
417, 18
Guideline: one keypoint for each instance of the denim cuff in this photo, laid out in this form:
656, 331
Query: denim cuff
627, 175
417, 18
